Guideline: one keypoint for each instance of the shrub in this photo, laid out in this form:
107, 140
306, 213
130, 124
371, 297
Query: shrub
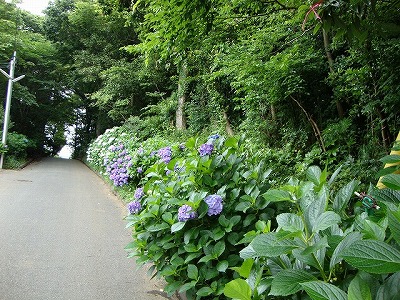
196, 208
16, 150
327, 247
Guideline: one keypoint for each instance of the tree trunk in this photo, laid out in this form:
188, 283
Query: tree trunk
273, 112
331, 62
314, 126
182, 96
228, 126
385, 132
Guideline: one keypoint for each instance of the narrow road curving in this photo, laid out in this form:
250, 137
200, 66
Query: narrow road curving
62, 236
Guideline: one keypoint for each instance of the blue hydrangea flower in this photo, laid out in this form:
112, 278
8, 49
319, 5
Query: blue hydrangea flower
214, 203
134, 207
139, 193
185, 212
214, 136
179, 169
206, 149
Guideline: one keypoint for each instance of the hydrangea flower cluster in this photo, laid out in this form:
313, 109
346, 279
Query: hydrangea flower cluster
134, 207
185, 212
139, 193
206, 149
214, 136
117, 168
165, 154
214, 203
178, 168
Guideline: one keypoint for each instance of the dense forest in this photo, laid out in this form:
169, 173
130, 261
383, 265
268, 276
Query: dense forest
314, 81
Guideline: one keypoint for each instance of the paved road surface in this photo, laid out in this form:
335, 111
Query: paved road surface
62, 236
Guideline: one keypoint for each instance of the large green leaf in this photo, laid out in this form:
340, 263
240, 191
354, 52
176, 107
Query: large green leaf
290, 222
277, 196
390, 159
343, 196
177, 226
270, 245
313, 174
248, 252
344, 244
205, 291
319, 290
372, 256
314, 211
158, 227
359, 289
245, 268
334, 175
372, 231
326, 220
192, 271
287, 282
394, 224
222, 266
390, 197
238, 289
392, 181
390, 289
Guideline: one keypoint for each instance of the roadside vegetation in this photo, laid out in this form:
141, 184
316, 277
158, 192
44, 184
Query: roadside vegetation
215, 219
237, 133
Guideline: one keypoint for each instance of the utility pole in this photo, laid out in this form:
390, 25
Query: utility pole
11, 80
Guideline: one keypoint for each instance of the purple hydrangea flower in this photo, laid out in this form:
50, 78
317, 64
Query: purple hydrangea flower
140, 151
185, 212
134, 207
117, 168
214, 203
167, 172
140, 170
165, 154
139, 193
112, 148
206, 149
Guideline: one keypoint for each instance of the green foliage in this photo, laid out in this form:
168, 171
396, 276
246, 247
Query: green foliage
304, 239
195, 256
325, 247
16, 150
18, 144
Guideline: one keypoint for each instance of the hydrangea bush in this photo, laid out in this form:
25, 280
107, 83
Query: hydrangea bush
204, 217
196, 209
123, 159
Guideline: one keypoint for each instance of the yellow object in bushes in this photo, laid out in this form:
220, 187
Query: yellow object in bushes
380, 185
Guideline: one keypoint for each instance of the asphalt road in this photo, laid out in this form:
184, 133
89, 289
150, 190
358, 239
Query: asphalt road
62, 236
